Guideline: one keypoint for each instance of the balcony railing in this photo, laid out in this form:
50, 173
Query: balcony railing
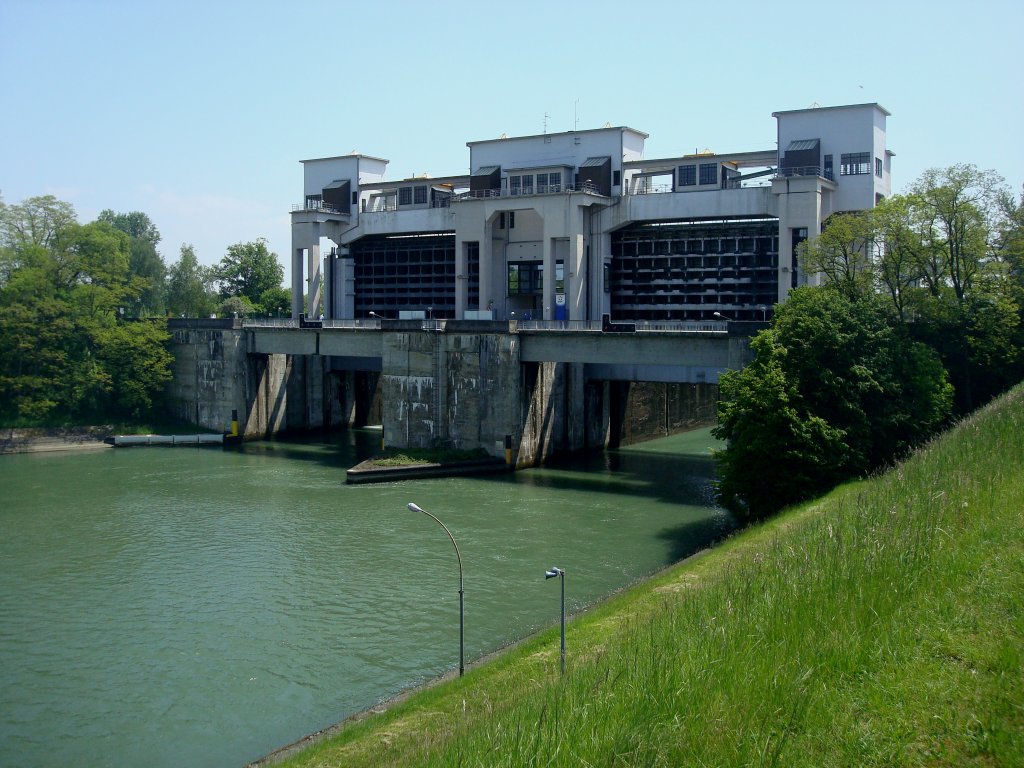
806, 170
319, 206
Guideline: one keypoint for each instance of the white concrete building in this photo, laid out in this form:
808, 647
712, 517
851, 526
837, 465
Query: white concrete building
676, 238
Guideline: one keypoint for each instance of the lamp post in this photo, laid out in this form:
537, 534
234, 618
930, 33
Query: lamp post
462, 622
720, 316
559, 573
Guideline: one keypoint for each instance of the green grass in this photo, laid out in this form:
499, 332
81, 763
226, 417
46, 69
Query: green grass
400, 457
880, 625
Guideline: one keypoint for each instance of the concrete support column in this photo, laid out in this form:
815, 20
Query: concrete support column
576, 269
486, 287
548, 296
315, 272
469, 228
305, 243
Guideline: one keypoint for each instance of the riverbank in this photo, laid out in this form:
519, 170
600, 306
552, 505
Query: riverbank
880, 624
41, 440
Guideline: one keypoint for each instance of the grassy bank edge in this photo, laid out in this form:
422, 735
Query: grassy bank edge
397, 734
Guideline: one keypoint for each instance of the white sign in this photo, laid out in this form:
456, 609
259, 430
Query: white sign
560, 299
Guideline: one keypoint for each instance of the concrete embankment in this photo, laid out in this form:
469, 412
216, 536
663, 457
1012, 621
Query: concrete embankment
43, 440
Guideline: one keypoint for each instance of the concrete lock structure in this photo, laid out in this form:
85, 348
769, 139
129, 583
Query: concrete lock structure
675, 238
565, 293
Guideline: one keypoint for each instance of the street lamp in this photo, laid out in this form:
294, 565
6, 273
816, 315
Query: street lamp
720, 316
559, 573
462, 622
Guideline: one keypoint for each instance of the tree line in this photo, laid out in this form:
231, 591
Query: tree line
918, 320
83, 307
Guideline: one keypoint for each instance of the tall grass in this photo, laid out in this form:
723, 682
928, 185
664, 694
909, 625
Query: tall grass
881, 625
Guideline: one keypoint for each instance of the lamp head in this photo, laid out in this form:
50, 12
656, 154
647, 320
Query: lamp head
553, 573
414, 507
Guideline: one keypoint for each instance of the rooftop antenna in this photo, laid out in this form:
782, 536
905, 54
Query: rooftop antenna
545, 122
575, 117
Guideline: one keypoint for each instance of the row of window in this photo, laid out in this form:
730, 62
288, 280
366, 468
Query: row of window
522, 184
527, 277
688, 174
853, 164
412, 195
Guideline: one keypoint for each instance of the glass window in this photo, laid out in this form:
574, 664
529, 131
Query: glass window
708, 173
405, 195
528, 184
855, 163
829, 174
878, 167
515, 184
419, 195
687, 175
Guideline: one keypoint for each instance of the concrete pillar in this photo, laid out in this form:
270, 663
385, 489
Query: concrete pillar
469, 228
315, 272
486, 287
576, 269
548, 296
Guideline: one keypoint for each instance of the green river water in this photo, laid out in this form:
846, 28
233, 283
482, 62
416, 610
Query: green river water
185, 606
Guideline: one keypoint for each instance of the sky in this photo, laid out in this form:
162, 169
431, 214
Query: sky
198, 113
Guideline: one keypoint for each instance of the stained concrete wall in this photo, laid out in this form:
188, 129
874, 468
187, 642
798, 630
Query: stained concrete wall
646, 410
464, 388
457, 390
215, 374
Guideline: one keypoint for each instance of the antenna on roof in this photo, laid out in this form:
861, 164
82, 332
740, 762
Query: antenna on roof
545, 122
575, 117
814, 105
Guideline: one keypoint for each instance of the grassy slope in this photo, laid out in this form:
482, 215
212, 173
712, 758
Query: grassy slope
881, 625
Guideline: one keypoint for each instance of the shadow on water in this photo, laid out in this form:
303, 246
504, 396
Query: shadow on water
688, 538
341, 449
671, 478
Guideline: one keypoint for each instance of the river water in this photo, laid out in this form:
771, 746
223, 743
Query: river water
185, 606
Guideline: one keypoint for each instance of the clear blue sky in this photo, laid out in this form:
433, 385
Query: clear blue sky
198, 113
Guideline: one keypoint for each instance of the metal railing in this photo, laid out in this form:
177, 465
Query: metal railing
540, 189
577, 326
319, 206
805, 170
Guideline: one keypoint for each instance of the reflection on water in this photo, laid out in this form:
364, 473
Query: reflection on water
183, 606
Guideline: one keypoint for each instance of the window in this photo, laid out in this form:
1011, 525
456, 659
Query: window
405, 195
687, 175
616, 178
855, 164
878, 167
708, 173
525, 277
419, 195
508, 219
829, 173
515, 184
528, 184
511, 219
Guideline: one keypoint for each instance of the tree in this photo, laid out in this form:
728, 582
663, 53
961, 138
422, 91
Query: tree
145, 262
236, 306
66, 352
842, 252
188, 286
961, 212
275, 301
35, 221
249, 269
837, 389
899, 257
